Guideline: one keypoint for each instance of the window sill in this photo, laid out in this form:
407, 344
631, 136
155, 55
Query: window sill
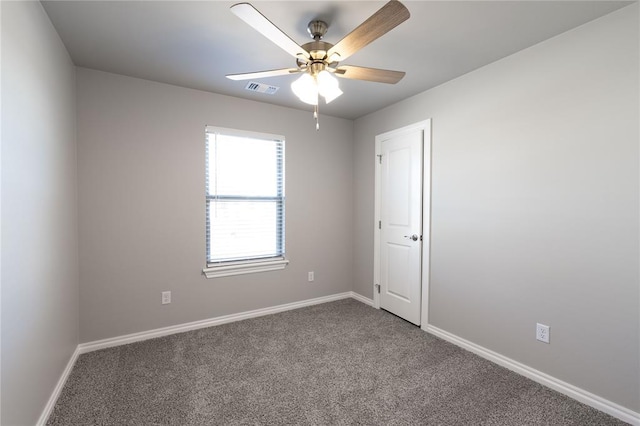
244, 268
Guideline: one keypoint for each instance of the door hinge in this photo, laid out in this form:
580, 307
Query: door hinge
379, 224
377, 286
379, 158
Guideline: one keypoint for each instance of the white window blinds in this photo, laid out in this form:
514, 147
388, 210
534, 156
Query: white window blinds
244, 196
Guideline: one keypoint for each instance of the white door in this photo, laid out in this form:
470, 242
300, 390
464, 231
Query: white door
400, 225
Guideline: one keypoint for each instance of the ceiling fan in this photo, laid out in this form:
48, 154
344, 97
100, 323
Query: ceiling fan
318, 61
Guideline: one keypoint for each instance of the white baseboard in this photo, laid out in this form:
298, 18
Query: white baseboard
571, 391
361, 298
195, 325
56, 391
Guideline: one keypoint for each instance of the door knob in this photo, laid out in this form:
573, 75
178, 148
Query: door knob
413, 237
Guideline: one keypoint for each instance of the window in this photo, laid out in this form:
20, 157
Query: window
245, 202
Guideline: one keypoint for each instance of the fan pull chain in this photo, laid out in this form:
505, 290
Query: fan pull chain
315, 115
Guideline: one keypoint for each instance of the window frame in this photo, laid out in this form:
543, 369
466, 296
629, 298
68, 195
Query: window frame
248, 265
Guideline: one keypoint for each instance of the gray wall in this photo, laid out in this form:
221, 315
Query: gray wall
534, 205
142, 207
39, 212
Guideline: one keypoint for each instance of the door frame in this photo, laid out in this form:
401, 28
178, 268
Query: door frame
425, 126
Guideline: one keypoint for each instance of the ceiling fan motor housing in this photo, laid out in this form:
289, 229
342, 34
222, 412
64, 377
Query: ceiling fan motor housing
318, 51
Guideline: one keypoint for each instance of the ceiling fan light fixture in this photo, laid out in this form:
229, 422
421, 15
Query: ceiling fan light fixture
328, 86
306, 89
332, 94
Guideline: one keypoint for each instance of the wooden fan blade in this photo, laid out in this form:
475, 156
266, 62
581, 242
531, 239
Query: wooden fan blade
260, 23
369, 74
263, 74
384, 20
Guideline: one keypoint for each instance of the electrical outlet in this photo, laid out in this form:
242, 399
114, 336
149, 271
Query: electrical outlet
542, 332
310, 277
166, 297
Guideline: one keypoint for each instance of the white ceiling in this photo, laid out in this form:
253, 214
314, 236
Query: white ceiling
196, 43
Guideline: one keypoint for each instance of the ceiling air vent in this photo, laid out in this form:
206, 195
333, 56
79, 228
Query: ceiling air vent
252, 86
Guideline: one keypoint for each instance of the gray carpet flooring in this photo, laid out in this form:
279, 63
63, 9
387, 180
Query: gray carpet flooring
337, 363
